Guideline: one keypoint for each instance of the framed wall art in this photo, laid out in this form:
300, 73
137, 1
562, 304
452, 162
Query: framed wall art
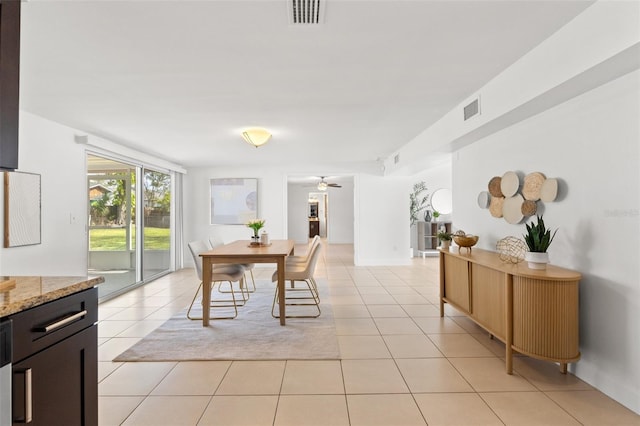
234, 201
22, 213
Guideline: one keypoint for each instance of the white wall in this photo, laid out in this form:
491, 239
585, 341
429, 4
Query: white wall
436, 177
377, 199
600, 43
340, 219
554, 112
592, 144
197, 204
49, 149
381, 220
298, 212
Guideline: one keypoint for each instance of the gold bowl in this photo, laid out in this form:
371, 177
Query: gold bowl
467, 241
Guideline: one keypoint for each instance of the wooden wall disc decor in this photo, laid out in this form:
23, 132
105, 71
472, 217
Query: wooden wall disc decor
549, 190
529, 208
532, 185
509, 184
512, 209
494, 187
483, 199
495, 207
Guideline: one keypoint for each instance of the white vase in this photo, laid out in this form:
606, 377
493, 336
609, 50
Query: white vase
446, 244
536, 260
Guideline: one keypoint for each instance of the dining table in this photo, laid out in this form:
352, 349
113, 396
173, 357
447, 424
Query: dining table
242, 251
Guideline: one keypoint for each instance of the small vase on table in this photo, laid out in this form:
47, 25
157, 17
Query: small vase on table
256, 225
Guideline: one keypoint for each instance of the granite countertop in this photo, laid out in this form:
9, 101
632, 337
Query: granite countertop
19, 293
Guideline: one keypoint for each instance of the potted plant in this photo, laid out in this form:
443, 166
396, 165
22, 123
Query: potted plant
436, 215
538, 239
256, 225
445, 237
417, 202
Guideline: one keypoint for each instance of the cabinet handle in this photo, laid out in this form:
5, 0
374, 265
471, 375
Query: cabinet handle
64, 321
28, 397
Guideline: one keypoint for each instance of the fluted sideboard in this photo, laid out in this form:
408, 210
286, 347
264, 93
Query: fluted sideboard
534, 312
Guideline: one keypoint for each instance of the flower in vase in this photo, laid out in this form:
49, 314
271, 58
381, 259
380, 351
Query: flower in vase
256, 225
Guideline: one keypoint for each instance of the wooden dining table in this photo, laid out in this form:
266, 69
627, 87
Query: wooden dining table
242, 251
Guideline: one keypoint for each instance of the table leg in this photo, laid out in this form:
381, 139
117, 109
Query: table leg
281, 289
206, 290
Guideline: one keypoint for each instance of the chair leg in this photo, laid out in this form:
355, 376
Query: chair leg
296, 301
192, 302
253, 282
225, 304
243, 292
220, 303
315, 288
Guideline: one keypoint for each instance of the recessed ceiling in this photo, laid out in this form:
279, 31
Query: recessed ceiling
180, 79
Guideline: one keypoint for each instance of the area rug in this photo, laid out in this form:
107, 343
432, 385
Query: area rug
253, 335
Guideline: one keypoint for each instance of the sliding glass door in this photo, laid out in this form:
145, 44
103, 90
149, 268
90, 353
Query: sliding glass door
117, 251
156, 257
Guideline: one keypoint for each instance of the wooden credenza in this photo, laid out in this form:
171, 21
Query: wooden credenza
534, 312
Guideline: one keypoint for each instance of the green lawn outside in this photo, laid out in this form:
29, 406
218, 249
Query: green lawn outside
113, 239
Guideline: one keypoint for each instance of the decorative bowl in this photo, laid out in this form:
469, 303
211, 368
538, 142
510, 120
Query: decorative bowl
467, 241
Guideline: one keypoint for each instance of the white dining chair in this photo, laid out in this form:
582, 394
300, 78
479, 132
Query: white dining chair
215, 241
300, 296
219, 274
302, 259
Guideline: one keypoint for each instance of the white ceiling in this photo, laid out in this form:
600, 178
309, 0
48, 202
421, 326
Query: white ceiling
180, 79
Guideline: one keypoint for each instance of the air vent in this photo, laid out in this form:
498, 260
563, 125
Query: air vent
472, 109
306, 11
396, 159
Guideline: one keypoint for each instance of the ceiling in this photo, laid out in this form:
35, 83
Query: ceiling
181, 79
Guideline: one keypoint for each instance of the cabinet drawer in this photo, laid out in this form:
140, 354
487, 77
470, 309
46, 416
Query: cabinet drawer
59, 386
38, 328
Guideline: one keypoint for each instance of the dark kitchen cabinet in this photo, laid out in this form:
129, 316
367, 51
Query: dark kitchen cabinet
61, 378
55, 370
9, 82
314, 228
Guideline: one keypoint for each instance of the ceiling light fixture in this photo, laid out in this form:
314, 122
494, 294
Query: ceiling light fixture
256, 137
322, 185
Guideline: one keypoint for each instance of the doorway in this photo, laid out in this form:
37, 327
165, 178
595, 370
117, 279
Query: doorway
318, 212
335, 207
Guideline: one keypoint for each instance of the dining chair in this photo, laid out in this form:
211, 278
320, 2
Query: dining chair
216, 241
219, 274
302, 259
300, 296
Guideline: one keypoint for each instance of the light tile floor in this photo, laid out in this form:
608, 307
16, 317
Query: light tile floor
401, 364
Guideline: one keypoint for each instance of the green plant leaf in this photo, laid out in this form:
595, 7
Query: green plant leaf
538, 238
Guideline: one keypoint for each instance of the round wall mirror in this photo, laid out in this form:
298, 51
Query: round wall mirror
441, 201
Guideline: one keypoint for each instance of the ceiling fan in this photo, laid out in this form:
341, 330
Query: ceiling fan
322, 185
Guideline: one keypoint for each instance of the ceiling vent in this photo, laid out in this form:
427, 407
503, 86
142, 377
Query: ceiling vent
306, 11
472, 109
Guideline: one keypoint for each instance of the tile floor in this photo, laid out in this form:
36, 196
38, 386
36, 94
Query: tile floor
401, 364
